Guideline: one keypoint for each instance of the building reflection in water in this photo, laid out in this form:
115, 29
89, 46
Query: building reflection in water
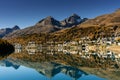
65, 48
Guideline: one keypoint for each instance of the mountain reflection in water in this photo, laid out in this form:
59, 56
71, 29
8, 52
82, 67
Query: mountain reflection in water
22, 70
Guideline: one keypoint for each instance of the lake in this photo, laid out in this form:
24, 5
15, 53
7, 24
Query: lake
11, 69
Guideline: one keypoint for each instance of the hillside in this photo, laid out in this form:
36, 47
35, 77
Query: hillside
102, 26
104, 20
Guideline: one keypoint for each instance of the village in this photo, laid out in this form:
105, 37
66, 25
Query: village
85, 47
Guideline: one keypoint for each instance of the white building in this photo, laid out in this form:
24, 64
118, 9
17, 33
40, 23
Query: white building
32, 47
18, 48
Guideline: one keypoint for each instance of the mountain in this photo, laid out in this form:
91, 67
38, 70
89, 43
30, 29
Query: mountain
48, 21
16, 27
47, 25
107, 22
106, 25
4, 32
74, 19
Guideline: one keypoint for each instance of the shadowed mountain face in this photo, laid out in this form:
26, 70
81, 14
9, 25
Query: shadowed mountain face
4, 32
48, 25
72, 20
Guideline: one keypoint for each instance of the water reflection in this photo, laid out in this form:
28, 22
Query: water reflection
22, 70
82, 50
7, 63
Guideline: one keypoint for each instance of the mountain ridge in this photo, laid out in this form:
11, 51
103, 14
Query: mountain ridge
5, 31
47, 25
106, 25
102, 26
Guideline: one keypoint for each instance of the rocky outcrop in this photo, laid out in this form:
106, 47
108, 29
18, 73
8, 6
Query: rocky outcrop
72, 20
4, 32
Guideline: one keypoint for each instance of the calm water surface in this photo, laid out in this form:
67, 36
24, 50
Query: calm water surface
21, 70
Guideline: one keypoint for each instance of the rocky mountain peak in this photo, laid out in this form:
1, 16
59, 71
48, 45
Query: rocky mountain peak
49, 21
74, 19
16, 27
49, 18
4, 32
75, 16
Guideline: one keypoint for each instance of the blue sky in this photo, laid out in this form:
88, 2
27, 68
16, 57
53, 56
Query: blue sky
26, 13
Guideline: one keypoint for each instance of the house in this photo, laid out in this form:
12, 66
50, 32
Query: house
66, 43
117, 56
31, 51
118, 43
39, 48
85, 48
60, 47
109, 53
18, 47
51, 43
74, 42
108, 42
66, 52
74, 52
80, 42
32, 47
103, 40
